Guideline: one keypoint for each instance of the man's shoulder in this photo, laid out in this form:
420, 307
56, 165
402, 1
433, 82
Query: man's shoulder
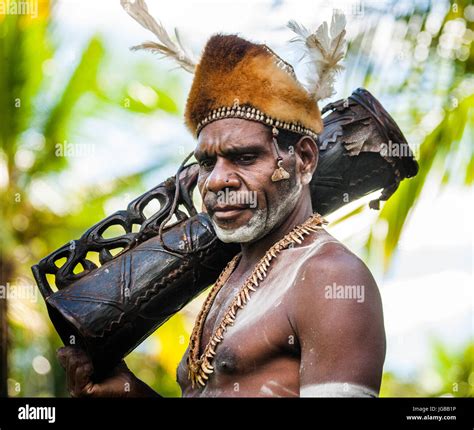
329, 254
335, 311
331, 270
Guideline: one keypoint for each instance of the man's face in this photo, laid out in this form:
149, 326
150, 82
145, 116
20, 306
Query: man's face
237, 159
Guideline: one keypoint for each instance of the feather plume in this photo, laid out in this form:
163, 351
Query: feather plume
325, 49
138, 10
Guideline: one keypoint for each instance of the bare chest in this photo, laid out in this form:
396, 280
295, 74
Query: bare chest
260, 335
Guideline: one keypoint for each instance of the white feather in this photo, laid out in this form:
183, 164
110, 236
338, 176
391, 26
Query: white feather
325, 48
138, 10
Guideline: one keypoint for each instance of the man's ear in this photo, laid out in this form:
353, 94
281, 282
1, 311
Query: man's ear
308, 152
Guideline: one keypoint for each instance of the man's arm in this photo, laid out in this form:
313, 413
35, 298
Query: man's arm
336, 312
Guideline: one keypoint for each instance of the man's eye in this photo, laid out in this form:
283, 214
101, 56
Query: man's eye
206, 164
246, 158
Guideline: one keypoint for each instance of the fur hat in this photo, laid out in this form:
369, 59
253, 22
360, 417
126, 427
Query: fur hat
239, 79
235, 78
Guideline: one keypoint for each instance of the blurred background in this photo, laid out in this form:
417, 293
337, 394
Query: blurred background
69, 81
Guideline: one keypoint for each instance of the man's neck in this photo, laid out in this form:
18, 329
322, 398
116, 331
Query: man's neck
253, 252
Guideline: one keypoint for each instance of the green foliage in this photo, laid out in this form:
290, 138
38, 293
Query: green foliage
442, 77
30, 231
437, 145
450, 374
29, 106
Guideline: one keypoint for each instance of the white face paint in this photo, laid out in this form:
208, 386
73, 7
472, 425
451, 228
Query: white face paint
262, 222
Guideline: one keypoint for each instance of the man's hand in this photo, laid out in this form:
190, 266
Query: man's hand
79, 369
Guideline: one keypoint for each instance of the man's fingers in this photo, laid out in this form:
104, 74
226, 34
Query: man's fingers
83, 377
66, 357
108, 388
77, 364
66, 352
79, 370
70, 357
61, 354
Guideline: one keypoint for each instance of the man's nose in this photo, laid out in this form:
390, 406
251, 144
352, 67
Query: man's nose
222, 176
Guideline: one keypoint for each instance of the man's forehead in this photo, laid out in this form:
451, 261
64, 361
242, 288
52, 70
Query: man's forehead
232, 133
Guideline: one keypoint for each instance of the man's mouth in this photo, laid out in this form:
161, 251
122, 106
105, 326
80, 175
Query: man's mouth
228, 212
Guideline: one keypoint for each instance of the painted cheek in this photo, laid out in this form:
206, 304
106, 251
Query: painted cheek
262, 200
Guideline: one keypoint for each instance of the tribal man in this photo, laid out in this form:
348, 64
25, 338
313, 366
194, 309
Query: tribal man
282, 319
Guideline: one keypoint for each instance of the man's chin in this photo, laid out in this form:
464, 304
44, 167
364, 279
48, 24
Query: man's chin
230, 233
235, 236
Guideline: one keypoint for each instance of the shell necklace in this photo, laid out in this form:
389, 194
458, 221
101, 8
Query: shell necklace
200, 367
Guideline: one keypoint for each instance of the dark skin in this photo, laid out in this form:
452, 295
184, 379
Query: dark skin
306, 338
